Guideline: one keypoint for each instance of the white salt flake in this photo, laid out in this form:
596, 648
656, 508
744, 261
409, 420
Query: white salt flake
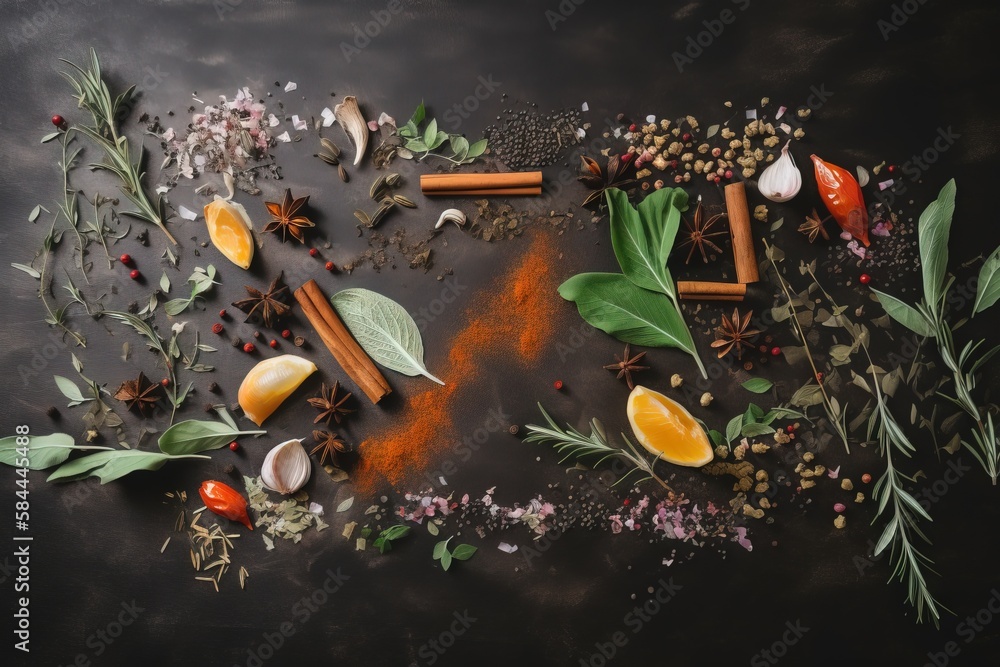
507, 548
186, 213
316, 508
272, 120
650, 118
584, 107
580, 132
751, 114
328, 117
290, 86
442, 481
883, 185
618, 132
781, 112
169, 135
284, 137
786, 128
298, 123
162, 190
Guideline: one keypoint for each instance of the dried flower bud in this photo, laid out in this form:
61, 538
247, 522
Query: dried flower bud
676, 380
706, 399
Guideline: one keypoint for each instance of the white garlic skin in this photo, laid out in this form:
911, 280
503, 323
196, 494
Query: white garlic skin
782, 180
286, 467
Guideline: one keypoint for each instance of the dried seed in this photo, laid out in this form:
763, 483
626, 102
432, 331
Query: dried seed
330, 146
375, 192
392, 180
329, 159
403, 201
363, 217
164, 547
343, 173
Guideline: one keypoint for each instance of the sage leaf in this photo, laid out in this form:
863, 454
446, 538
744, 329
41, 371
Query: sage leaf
758, 385
445, 560
165, 282
27, 269
44, 451
988, 290
643, 237
50, 136
477, 148
733, 428
430, 133
35, 212
441, 548
806, 395
905, 314
464, 552
754, 429
614, 304
346, 505
114, 464
933, 230
384, 329
70, 390
193, 436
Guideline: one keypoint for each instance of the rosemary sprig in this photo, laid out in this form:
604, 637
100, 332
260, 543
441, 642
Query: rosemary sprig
93, 95
890, 491
836, 415
575, 444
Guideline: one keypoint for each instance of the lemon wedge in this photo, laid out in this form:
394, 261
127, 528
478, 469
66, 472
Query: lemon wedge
270, 382
229, 228
665, 428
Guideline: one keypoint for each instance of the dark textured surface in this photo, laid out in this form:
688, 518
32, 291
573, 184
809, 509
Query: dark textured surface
96, 547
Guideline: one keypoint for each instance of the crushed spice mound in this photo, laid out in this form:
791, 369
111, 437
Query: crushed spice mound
494, 326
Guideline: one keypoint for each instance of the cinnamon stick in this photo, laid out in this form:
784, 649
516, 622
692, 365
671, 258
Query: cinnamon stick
740, 233
437, 182
335, 335
490, 192
710, 291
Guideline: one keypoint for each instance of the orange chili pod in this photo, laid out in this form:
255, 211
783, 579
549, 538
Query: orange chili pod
842, 196
225, 501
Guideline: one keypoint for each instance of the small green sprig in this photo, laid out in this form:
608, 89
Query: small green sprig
422, 142
385, 539
461, 552
93, 95
574, 444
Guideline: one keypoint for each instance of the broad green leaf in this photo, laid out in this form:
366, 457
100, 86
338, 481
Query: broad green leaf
44, 451
463, 552
192, 436
933, 231
27, 269
755, 429
69, 390
807, 394
459, 146
445, 560
431, 133
615, 305
346, 504
34, 213
384, 329
50, 136
643, 237
441, 548
717, 438
477, 148
112, 465
988, 290
758, 385
417, 145
734, 427
440, 139
905, 314
164, 283
418, 114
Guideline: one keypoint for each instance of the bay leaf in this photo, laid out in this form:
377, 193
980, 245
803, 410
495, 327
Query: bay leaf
758, 385
193, 436
933, 231
988, 289
44, 451
905, 314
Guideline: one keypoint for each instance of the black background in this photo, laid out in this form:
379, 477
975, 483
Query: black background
892, 91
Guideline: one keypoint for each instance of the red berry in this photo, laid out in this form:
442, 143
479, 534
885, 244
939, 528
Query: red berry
286, 334
165, 382
775, 351
313, 252
864, 278
126, 260
249, 348
558, 384
627, 157
632, 127
222, 313
233, 446
892, 168
329, 266
217, 328
58, 120
134, 274
273, 344
673, 164
717, 179
686, 137
729, 174
790, 428
819, 376
866, 478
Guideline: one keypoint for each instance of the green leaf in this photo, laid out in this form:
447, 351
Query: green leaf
431, 133
905, 314
758, 385
754, 429
192, 436
69, 390
112, 465
49, 137
477, 148
440, 139
733, 428
164, 282
35, 213
988, 290
807, 394
441, 548
44, 451
417, 145
933, 231
717, 438
175, 307
27, 269
643, 237
615, 305
418, 115
459, 146
445, 560
384, 329
346, 505
463, 552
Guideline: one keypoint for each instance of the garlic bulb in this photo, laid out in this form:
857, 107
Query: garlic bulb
782, 180
286, 468
348, 114
450, 215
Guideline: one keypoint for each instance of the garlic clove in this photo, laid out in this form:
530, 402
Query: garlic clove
286, 467
782, 180
348, 114
450, 215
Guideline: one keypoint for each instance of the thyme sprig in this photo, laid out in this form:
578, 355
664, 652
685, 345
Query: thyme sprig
574, 444
93, 95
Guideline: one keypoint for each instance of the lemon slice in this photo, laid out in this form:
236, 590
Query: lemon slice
270, 382
665, 428
229, 228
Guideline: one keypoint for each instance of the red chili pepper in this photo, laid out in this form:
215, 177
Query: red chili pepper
225, 501
842, 195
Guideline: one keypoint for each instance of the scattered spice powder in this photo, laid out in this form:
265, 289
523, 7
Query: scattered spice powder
492, 327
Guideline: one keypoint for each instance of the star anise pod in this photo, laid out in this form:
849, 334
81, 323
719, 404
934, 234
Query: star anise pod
626, 365
285, 218
698, 235
269, 306
139, 394
330, 404
612, 176
733, 333
330, 445
813, 227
